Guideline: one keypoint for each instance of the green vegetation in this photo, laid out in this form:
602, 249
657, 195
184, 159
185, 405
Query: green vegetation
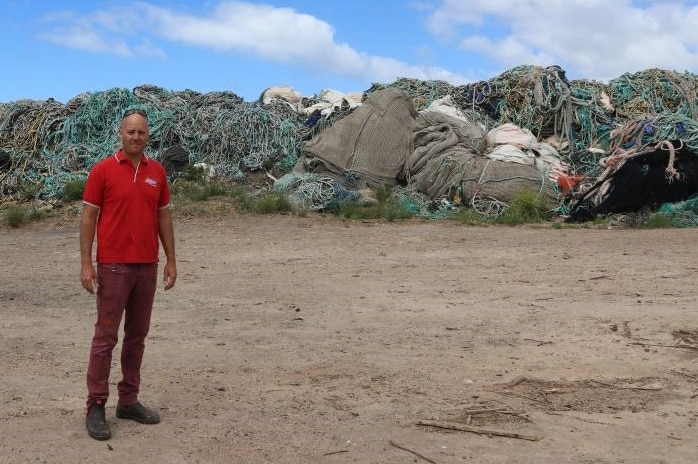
659, 221
526, 207
267, 203
194, 191
467, 216
194, 195
16, 216
193, 173
200, 198
72, 190
387, 207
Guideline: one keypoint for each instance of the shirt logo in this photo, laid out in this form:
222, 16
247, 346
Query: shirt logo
152, 182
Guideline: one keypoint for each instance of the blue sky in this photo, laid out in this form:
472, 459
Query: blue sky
61, 49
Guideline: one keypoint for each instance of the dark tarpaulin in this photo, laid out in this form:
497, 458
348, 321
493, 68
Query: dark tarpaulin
644, 180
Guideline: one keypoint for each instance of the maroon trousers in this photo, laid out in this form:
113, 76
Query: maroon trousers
123, 289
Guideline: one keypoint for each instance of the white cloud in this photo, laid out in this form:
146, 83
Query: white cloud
280, 35
273, 33
115, 31
283, 35
87, 38
597, 39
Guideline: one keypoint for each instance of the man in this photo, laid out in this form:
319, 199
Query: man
126, 201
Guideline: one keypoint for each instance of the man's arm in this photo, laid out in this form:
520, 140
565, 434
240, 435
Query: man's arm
88, 224
166, 232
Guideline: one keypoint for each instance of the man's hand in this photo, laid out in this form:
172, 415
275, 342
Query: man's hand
88, 278
170, 275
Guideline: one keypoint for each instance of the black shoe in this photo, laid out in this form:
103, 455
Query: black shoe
137, 412
96, 422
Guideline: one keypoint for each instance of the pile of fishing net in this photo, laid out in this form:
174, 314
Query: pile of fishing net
50, 143
47, 144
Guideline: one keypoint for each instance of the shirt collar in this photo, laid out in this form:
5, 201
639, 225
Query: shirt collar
121, 158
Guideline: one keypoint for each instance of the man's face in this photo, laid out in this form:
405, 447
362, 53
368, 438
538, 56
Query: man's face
134, 134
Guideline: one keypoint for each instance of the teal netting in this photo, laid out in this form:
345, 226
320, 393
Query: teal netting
681, 214
50, 143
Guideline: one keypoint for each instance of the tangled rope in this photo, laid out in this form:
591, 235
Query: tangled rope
50, 144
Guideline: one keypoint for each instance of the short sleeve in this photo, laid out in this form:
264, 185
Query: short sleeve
94, 187
164, 200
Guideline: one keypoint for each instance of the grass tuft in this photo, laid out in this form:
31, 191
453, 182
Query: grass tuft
525, 207
15, 216
73, 190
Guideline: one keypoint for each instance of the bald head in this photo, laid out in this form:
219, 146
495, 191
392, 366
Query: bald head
134, 134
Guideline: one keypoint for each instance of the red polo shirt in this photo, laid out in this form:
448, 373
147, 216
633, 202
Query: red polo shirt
128, 198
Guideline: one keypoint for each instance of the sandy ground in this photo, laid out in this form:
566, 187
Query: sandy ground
312, 340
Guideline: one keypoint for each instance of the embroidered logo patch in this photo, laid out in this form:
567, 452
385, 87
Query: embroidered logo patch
152, 182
